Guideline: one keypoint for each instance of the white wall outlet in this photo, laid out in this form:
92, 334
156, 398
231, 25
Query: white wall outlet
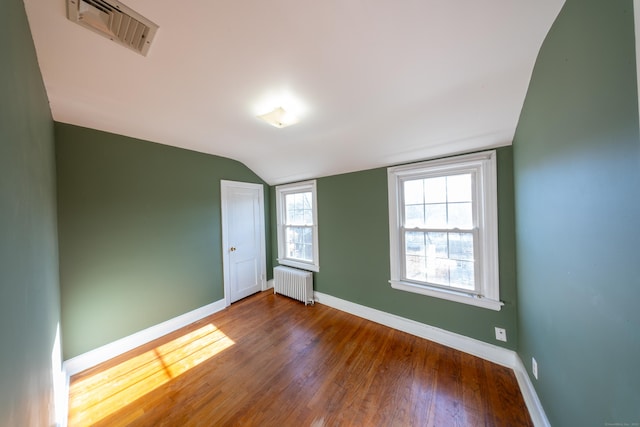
501, 334
534, 367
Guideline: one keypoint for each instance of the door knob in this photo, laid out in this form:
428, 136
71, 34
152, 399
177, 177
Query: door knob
232, 249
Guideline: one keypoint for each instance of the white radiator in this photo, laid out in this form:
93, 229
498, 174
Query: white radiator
294, 283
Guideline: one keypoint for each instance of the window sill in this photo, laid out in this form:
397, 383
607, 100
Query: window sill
447, 295
299, 264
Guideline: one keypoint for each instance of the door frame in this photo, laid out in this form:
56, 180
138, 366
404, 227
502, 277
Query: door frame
225, 185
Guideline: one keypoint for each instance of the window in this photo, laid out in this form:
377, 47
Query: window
298, 225
444, 229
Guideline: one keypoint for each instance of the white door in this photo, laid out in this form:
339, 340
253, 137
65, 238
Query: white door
243, 240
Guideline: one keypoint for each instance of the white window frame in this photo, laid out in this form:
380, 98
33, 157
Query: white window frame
483, 167
281, 192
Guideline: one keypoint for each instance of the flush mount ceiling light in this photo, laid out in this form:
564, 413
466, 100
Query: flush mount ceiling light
279, 118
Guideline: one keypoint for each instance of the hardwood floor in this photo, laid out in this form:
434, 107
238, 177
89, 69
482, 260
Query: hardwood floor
271, 361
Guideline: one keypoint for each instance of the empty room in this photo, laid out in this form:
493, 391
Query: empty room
319, 213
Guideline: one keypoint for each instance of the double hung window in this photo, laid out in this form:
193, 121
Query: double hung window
443, 229
297, 225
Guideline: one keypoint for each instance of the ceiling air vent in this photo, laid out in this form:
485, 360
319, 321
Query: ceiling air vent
114, 20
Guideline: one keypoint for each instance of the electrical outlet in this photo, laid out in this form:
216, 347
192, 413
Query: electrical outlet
534, 367
501, 334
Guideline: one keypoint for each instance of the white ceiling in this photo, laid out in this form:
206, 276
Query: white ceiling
375, 82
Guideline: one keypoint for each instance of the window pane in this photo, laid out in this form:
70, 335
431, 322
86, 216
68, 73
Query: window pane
436, 215
307, 236
414, 216
299, 209
462, 275
291, 237
414, 243
459, 188
438, 271
297, 217
308, 252
290, 202
440, 258
308, 217
299, 201
460, 215
413, 192
296, 247
416, 268
445, 202
461, 246
437, 246
435, 190
307, 200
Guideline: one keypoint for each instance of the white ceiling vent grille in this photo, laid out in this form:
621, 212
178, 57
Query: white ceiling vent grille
114, 20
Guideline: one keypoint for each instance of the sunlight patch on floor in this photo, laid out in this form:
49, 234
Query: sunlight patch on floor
98, 396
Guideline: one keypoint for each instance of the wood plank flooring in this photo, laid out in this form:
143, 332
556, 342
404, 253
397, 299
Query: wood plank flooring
270, 361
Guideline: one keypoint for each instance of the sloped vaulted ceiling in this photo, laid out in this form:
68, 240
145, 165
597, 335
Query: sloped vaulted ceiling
374, 82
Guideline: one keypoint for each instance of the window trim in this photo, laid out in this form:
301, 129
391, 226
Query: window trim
281, 192
486, 208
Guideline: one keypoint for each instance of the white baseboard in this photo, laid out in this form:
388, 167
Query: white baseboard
529, 394
490, 352
108, 351
102, 354
269, 284
486, 351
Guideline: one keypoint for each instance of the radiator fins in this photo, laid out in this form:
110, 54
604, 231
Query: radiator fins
294, 283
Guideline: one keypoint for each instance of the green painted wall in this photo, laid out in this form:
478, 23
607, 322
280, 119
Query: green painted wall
353, 224
140, 233
577, 178
29, 300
